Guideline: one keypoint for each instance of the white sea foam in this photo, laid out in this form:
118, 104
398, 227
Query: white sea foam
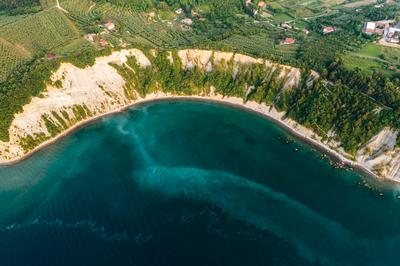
254, 204
92, 227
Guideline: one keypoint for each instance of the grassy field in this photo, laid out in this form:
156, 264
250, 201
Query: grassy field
289, 10
360, 3
75, 46
373, 57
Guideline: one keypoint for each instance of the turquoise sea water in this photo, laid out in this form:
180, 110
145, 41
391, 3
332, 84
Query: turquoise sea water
190, 183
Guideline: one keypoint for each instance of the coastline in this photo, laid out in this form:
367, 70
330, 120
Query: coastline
289, 125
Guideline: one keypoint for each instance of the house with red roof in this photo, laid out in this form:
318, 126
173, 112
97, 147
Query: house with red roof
103, 43
328, 29
51, 56
261, 4
288, 41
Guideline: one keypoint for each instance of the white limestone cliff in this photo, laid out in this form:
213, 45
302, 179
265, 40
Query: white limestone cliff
100, 89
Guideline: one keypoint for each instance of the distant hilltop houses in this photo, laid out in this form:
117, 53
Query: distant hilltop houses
107, 26
258, 7
388, 29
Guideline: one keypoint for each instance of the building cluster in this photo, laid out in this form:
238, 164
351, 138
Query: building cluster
179, 11
258, 7
107, 27
387, 2
388, 29
186, 22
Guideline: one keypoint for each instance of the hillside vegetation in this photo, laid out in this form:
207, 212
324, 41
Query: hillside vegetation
11, 57
348, 104
19, 6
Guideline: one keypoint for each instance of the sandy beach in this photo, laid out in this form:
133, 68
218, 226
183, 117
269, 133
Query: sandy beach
272, 114
100, 90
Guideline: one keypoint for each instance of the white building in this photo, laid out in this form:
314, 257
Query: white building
179, 11
392, 34
90, 37
369, 28
187, 21
109, 25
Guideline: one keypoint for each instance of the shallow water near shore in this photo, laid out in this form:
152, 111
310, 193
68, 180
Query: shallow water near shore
192, 183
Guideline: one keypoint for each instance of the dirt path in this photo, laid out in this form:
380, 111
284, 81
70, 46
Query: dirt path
91, 7
361, 3
384, 43
60, 8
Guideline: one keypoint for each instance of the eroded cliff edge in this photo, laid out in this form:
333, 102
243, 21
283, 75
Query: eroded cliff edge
78, 95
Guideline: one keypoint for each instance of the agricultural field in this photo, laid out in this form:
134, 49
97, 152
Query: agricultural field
6, 19
260, 45
360, 3
10, 58
164, 30
135, 27
72, 48
32, 35
48, 3
81, 11
374, 57
291, 10
40, 32
61, 31
158, 33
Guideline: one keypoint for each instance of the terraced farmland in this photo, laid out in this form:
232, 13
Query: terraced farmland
159, 34
10, 58
262, 45
47, 3
40, 32
5, 19
81, 11
26, 36
135, 26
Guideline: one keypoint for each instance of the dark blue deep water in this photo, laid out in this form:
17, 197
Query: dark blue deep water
189, 183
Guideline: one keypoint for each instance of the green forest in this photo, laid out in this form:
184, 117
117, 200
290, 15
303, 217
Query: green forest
15, 7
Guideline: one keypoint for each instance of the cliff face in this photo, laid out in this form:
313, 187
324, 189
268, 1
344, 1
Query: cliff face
381, 156
80, 94
84, 93
206, 59
77, 95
